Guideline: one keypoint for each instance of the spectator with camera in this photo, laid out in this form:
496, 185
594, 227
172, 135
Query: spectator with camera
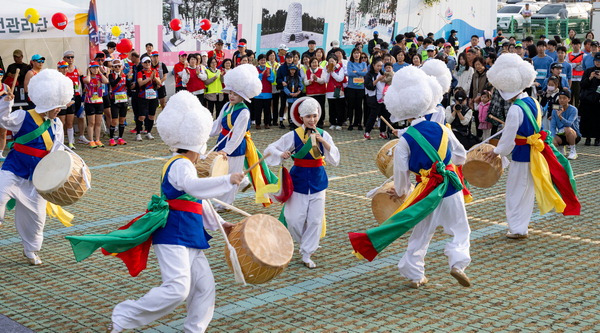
459, 116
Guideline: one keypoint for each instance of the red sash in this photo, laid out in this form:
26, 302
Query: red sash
308, 163
30, 151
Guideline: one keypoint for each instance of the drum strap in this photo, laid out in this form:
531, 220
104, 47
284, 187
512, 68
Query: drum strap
553, 182
307, 145
42, 130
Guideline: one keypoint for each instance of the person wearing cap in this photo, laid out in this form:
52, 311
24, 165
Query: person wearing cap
282, 72
93, 102
178, 70
310, 147
590, 99
218, 53
232, 127
312, 46
67, 114
567, 69
371, 45
194, 76
203, 58
105, 63
430, 53
162, 70
11, 70
588, 59
549, 99
118, 101
541, 63
564, 126
442, 206
36, 133
292, 88
519, 50
75, 76
453, 40
524, 139
148, 81
179, 245
575, 58
37, 64
241, 51
556, 70
282, 50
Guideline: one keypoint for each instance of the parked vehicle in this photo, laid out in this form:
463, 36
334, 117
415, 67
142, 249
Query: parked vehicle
510, 16
557, 14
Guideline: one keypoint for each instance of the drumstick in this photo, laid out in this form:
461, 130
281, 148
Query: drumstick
485, 141
14, 83
256, 164
387, 123
496, 119
233, 208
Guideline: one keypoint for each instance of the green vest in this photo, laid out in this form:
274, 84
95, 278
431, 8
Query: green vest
216, 86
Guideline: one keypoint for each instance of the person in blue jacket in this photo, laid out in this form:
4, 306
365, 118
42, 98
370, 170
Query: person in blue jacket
564, 125
355, 91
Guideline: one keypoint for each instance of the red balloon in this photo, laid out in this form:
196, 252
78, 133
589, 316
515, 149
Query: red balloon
124, 46
60, 21
205, 24
175, 24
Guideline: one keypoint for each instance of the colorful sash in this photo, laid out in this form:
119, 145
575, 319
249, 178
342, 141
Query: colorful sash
554, 184
427, 195
131, 242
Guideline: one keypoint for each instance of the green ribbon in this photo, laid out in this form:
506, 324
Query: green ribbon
398, 224
305, 150
122, 240
36, 133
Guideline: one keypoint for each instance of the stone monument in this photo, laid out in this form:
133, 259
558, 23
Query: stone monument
293, 24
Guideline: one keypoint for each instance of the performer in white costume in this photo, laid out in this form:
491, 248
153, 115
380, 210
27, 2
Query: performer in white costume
36, 133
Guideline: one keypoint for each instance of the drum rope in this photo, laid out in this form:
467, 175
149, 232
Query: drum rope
372, 192
84, 167
235, 262
485, 141
233, 208
213, 148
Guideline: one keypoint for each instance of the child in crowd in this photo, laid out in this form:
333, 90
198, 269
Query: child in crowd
292, 87
484, 106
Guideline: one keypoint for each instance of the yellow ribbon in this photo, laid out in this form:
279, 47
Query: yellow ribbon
58, 212
545, 193
256, 173
45, 136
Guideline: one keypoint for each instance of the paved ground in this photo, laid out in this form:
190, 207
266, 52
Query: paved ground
547, 283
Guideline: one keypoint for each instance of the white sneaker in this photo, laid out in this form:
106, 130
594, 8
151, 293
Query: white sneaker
308, 262
416, 284
32, 258
149, 136
338, 128
83, 140
572, 155
138, 137
332, 127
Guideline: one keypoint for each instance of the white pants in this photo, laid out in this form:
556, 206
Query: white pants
186, 277
520, 197
451, 215
236, 165
304, 216
30, 209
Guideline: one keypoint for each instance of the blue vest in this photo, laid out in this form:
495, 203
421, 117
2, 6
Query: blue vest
182, 228
241, 149
418, 160
522, 153
308, 180
21, 164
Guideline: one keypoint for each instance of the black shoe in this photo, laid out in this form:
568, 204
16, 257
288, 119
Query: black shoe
597, 142
360, 128
588, 142
281, 125
350, 127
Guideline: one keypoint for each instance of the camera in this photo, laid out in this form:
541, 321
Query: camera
458, 107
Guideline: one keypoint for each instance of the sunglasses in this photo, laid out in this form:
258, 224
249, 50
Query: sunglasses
69, 57
183, 55
147, 62
40, 61
116, 66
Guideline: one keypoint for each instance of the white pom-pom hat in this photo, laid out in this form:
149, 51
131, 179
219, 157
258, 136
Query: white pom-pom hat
411, 94
303, 107
439, 71
185, 123
50, 89
511, 75
243, 80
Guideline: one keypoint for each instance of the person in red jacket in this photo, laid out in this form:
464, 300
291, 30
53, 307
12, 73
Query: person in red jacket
316, 85
218, 52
